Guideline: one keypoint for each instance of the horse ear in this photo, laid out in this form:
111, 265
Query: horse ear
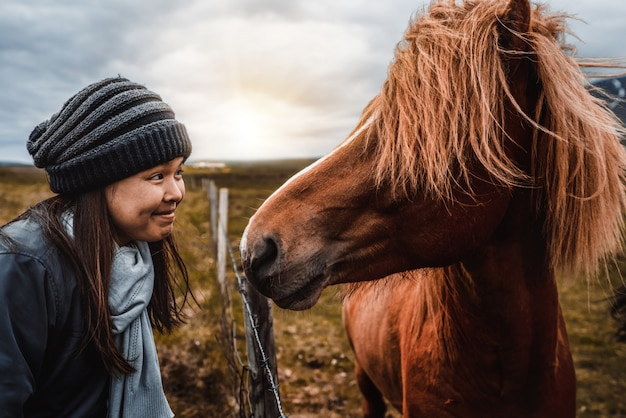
515, 22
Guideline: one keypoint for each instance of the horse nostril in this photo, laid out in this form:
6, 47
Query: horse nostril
264, 257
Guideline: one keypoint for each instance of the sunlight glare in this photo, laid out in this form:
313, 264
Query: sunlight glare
248, 125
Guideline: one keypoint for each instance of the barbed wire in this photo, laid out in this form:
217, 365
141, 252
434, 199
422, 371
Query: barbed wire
265, 361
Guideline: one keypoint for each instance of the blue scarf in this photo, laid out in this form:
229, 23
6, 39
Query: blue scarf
139, 394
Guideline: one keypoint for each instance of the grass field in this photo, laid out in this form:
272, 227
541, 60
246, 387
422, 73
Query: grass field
314, 361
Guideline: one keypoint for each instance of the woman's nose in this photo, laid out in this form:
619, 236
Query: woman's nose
174, 191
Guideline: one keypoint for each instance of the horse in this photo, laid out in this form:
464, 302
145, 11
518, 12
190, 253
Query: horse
482, 169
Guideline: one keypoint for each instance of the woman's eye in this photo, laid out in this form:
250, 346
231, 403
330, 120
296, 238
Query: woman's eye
179, 173
158, 176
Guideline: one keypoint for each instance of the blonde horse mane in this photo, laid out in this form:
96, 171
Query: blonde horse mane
442, 109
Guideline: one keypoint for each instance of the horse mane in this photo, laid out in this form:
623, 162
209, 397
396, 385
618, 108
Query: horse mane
441, 112
438, 296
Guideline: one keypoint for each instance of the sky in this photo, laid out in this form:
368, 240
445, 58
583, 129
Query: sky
250, 79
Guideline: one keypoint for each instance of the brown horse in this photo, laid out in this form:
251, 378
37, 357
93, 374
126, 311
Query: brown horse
485, 163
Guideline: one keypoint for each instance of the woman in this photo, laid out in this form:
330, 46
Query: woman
86, 274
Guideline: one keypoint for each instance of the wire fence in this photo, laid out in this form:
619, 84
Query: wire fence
255, 381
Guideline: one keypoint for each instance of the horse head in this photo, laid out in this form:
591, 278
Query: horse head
475, 111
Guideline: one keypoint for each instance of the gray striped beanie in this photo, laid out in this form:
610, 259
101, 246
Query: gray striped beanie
108, 131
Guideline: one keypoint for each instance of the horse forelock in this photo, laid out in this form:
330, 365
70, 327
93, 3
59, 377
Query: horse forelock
442, 108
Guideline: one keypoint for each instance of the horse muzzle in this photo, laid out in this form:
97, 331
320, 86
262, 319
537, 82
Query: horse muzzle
265, 268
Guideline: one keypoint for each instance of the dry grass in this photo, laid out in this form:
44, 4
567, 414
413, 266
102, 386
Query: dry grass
314, 360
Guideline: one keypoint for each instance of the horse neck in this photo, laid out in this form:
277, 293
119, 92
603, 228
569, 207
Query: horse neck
491, 325
511, 290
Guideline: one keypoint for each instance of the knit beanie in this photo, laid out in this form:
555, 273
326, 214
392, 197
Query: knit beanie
108, 131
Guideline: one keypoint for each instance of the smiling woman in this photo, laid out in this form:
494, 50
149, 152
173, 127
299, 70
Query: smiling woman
142, 207
87, 273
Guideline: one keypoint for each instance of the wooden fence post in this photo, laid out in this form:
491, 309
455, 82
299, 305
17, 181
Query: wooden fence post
222, 240
262, 396
219, 241
213, 214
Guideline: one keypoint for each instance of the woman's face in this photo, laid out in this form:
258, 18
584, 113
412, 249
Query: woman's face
142, 206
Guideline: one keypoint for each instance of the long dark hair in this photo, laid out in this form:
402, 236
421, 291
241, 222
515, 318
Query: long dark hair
91, 254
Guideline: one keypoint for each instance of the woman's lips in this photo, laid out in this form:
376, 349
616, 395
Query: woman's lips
169, 214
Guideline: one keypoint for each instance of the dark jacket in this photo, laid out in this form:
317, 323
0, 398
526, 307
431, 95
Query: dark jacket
42, 373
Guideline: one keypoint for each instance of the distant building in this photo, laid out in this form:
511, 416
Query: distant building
217, 165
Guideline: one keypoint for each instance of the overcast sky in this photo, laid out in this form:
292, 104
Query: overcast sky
251, 79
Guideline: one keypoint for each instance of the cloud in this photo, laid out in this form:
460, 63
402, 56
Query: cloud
309, 73
249, 78
49, 50
599, 25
